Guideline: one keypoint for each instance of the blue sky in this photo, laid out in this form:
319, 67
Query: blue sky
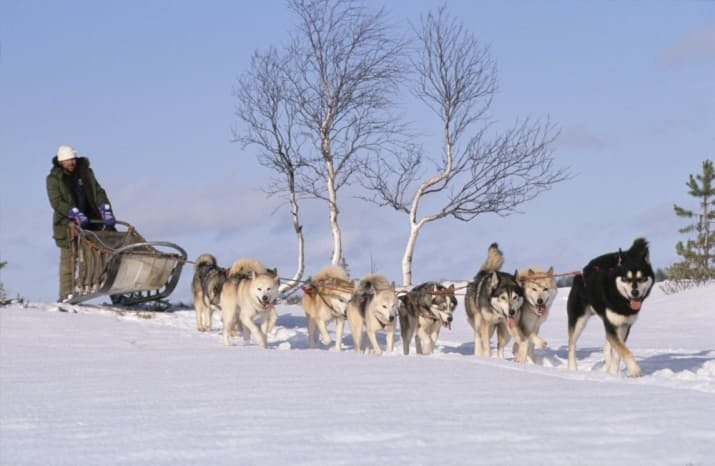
144, 89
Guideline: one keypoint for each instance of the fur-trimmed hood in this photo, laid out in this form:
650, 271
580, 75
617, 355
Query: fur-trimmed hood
82, 162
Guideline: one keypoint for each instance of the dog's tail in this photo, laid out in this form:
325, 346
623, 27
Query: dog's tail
331, 271
495, 259
640, 249
204, 260
245, 266
374, 282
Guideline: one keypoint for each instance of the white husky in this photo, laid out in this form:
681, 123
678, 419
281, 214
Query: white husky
250, 292
373, 306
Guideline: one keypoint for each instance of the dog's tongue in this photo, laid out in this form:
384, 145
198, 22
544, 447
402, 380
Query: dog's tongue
636, 304
542, 309
510, 322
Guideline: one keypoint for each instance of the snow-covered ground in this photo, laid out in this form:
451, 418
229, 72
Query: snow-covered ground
98, 387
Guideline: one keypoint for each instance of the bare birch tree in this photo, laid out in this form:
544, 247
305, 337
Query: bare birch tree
344, 72
480, 170
269, 116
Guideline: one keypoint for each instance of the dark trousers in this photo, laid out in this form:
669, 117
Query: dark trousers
66, 272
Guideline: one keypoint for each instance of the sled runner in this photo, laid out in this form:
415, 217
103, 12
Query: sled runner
122, 264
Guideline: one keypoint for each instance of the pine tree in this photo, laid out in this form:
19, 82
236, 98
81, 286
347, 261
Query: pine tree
698, 254
2, 287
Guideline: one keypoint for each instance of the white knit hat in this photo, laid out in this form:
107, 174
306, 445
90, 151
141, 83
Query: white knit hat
66, 153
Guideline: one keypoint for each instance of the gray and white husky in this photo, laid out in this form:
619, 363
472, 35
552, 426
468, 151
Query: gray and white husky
206, 288
493, 301
373, 306
423, 311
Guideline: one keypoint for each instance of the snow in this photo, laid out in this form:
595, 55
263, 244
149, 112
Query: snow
99, 386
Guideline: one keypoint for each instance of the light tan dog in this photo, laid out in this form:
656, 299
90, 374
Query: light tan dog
325, 299
373, 306
539, 293
250, 292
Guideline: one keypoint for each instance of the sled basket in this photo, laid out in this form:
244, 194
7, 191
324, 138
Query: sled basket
122, 264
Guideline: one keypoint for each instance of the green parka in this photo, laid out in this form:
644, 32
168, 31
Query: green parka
59, 190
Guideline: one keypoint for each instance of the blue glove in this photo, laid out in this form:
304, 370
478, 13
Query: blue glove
107, 215
78, 217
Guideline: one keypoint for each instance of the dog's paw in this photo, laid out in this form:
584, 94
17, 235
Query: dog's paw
326, 341
635, 371
542, 344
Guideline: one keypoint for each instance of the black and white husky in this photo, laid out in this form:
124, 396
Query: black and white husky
613, 286
424, 310
493, 301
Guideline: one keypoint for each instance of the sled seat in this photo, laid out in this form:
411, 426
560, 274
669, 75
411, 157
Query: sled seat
122, 264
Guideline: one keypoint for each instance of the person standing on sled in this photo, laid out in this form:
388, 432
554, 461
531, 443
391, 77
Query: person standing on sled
75, 196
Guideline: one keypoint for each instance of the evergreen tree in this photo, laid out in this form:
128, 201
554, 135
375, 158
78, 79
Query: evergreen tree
2, 287
698, 262
660, 275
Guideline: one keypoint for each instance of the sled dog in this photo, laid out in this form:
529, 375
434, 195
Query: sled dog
373, 306
613, 286
206, 288
423, 311
325, 298
539, 292
250, 292
493, 301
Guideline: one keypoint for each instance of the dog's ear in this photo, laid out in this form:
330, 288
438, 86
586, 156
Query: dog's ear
494, 280
550, 272
516, 275
620, 257
368, 288
531, 272
451, 288
646, 255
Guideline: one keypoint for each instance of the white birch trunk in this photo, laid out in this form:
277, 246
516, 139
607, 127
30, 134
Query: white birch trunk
415, 225
337, 236
292, 283
409, 252
332, 200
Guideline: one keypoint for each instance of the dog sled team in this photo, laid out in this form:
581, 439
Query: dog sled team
514, 306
